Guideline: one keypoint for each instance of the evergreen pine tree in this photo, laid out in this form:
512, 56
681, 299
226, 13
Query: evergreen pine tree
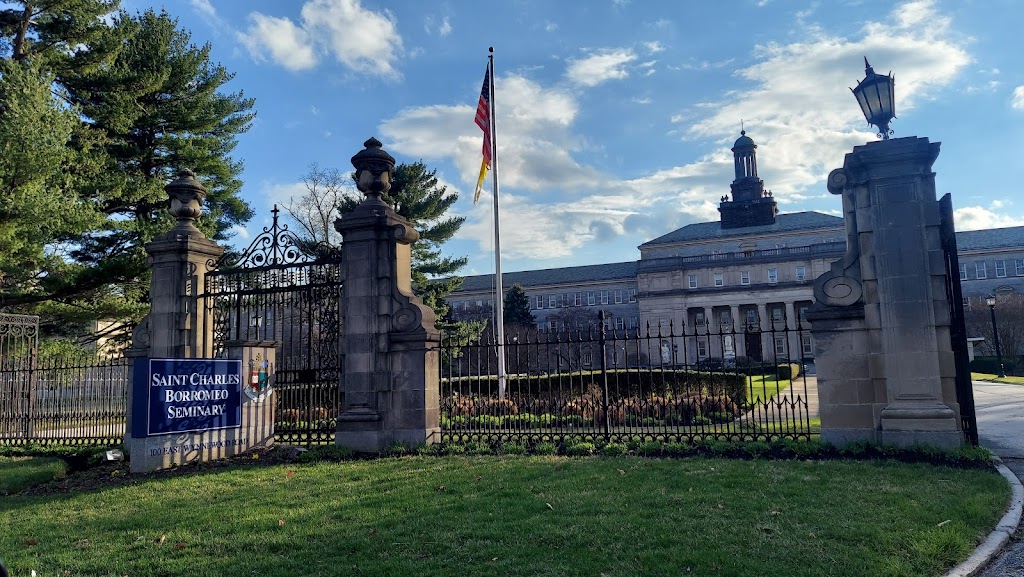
146, 102
517, 311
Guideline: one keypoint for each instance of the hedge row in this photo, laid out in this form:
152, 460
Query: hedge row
621, 383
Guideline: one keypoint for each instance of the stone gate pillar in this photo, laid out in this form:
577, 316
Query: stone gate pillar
174, 326
881, 318
389, 342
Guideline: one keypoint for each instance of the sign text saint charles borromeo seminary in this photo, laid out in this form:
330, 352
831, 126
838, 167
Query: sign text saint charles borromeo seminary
187, 395
199, 409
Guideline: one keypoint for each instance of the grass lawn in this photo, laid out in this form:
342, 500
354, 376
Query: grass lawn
17, 473
764, 387
537, 516
995, 379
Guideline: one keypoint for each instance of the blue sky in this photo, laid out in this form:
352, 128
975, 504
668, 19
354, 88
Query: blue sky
615, 117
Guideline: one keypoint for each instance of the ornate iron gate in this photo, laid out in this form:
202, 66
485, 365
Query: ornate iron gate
18, 336
957, 327
285, 290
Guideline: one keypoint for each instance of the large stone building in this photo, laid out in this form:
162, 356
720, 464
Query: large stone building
749, 275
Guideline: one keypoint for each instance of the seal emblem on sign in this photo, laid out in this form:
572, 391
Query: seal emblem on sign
258, 387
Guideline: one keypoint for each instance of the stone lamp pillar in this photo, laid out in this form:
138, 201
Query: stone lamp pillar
881, 320
390, 344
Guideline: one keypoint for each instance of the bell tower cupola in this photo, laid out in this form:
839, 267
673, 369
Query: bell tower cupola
751, 205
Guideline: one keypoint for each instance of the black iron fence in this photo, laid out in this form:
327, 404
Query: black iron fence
65, 400
676, 385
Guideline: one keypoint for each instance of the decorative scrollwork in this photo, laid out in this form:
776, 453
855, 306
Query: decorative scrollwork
274, 247
837, 180
841, 291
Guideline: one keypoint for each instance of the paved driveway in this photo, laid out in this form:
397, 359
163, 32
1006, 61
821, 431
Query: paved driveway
1000, 410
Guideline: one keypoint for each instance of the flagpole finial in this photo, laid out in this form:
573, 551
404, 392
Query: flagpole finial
491, 49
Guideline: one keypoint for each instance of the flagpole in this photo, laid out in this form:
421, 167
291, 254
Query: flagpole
500, 293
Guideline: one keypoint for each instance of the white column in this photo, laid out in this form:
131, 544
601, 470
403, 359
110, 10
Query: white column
792, 338
737, 329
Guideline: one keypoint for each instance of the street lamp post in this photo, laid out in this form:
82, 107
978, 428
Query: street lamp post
876, 99
990, 300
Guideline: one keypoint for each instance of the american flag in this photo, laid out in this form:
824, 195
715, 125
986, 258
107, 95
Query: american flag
483, 120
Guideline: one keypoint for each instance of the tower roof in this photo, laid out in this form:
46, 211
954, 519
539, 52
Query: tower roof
744, 141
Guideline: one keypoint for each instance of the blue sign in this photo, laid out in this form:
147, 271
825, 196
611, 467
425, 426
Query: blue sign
186, 395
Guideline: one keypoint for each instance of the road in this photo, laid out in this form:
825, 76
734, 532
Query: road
1000, 410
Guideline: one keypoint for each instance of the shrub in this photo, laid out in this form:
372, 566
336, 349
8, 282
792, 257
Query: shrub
580, 449
545, 448
788, 372
453, 449
613, 449
513, 448
650, 448
479, 448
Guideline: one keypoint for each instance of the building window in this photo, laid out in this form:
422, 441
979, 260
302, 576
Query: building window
604, 297
479, 304
1000, 268
552, 324
608, 322
773, 275
777, 315
751, 317
632, 295
632, 322
780, 346
698, 319
552, 301
587, 358
618, 296
963, 271
692, 279
538, 302
980, 270
745, 277
967, 302
1020, 266
801, 272
620, 323
702, 347
807, 346
591, 301
577, 299
719, 279
803, 314
724, 319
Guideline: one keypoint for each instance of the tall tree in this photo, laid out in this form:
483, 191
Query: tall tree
516, 309
34, 153
316, 210
148, 102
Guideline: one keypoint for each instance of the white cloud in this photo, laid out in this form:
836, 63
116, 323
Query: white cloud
600, 67
654, 47
795, 102
282, 194
642, 100
550, 26
241, 231
446, 28
797, 106
204, 7
977, 218
287, 44
1017, 100
360, 39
